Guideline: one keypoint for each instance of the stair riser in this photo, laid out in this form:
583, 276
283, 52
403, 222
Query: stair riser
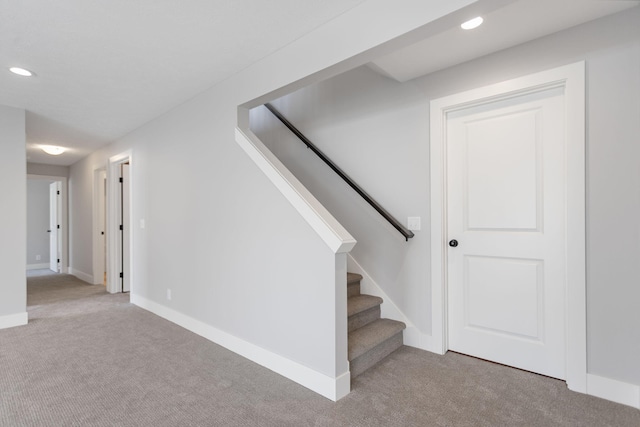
353, 289
359, 320
375, 355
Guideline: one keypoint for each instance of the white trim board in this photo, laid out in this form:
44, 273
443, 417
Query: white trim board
12, 320
614, 390
81, 275
38, 266
572, 79
331, 388
328, 228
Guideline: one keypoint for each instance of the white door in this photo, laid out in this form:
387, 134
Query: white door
54, 227
126, 229
101, 187
506, 211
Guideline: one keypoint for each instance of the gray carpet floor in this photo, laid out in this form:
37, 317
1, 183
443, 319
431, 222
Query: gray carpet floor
88, 358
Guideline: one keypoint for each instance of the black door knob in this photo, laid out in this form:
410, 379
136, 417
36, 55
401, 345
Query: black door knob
453, 243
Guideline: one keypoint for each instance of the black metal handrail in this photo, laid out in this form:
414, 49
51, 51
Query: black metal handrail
386, 215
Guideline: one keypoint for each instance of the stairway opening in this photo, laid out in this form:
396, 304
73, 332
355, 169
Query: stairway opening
370, 338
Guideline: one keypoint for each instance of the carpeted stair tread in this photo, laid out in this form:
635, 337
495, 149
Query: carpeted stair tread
360, 303
367, 337
353, 278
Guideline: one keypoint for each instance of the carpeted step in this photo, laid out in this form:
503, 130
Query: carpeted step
353, 284
373, 342
362, 309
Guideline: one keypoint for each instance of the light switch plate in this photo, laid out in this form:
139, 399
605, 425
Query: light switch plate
413, 223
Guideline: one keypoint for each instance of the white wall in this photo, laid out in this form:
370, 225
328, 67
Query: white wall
38, 217
13, 223
47, 170
81, 217
235, 253
377, 130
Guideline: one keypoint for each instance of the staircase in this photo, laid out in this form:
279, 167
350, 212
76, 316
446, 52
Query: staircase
371, 338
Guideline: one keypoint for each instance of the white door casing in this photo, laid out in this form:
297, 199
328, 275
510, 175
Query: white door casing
522, 236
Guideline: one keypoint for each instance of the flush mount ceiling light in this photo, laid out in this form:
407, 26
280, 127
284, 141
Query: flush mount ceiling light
472, 23
21, 71
53, 150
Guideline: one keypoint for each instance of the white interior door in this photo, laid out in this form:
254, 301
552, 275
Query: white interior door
126, 229
506, 204
54, 227
102, 221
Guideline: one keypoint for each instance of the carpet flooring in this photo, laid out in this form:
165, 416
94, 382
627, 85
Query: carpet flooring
88, 358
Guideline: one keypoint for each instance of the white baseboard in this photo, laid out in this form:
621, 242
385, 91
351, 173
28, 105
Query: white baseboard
81, 275
331, 388
37, 266
415, 338
11, 320
614, 390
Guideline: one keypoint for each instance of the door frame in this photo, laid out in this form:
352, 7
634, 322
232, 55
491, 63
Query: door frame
114, 251
572, 79
63, 218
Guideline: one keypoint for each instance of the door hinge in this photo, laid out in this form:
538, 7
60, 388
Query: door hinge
121, 275
120, 179
58, 192
58, 260
121, 227
58, 226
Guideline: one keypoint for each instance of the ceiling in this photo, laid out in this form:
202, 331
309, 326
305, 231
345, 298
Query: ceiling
105, 68
507, 26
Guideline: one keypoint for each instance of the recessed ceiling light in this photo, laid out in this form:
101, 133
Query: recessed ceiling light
21, 71
53, 150
472, 23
